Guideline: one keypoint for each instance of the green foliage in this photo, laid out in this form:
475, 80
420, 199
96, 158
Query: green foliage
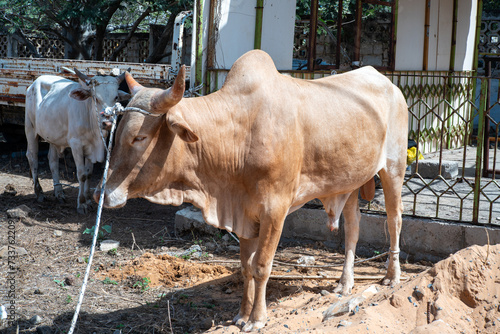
143, 284
60, 283
106, 229
107, 280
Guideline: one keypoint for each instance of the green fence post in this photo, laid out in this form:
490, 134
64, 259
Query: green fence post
479, 152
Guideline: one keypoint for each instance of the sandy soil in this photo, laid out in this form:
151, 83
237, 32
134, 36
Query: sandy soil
148, 286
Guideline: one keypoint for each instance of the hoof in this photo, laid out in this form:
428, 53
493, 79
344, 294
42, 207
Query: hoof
240, 321
390, 281
82, 209
61, 199
343, 289
40, 198
253, 326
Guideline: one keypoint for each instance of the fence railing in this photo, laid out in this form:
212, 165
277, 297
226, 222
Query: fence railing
454, 174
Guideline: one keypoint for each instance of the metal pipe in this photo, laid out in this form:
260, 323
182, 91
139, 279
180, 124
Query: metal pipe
486, 144
454, 36
426, 34
480, 141
259, 12
199, 43
392, 47
211, 46
357, 38
339, 33
311, 56
479, 16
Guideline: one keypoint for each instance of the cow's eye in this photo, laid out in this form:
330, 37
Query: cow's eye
138, 139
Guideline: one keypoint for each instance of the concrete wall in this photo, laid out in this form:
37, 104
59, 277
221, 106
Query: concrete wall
421, 239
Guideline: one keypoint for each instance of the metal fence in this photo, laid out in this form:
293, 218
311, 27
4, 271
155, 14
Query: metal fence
454, 129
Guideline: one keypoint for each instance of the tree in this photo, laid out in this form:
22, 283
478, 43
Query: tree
83, 25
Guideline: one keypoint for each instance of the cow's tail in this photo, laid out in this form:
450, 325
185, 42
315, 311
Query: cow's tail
368, 190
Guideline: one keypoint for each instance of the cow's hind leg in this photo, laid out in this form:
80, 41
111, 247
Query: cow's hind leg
352, 217
247, 252
392, 181
54, 169
32, 155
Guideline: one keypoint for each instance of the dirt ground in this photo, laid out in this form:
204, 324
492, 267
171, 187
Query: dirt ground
148, 285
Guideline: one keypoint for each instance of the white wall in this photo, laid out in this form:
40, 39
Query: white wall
410, 35
237, 30
466, 35
411, 30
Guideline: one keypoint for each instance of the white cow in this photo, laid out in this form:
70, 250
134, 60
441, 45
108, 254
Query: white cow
66, 113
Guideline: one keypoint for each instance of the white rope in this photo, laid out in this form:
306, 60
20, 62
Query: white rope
96, 230
112, 113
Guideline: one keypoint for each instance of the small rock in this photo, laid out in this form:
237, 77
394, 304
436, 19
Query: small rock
344, 323
233, 248
22, 211
396, 300
306, 260
10, 190
228, 291
58, 233
210, 246
226, 237
324, 293
38, 292
194, 252
4, 251
70, 280
417, 293
107, 245
36, 320
118, 331
343, 306
207, 323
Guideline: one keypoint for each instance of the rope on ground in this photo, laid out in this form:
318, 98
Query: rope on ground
96, 230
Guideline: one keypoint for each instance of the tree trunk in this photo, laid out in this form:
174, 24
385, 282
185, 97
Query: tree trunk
159, 49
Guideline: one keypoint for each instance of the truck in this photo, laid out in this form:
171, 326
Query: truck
17, 74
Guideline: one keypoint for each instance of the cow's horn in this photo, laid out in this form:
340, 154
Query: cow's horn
122, 76
168, 98
82, 76
133, 85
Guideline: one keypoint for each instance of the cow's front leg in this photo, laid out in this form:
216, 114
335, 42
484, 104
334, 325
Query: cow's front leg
261, 265
54, 169
89, 166
247, 252
351, 218
81, 202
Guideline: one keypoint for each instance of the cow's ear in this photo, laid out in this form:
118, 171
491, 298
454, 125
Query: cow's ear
80, 94
123, 96
179, 126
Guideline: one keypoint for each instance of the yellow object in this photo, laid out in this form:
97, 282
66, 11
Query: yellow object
412, 155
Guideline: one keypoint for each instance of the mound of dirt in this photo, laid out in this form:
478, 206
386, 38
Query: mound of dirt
457, 295
164, 270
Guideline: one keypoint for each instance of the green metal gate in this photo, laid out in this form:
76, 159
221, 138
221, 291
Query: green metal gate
448, 115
